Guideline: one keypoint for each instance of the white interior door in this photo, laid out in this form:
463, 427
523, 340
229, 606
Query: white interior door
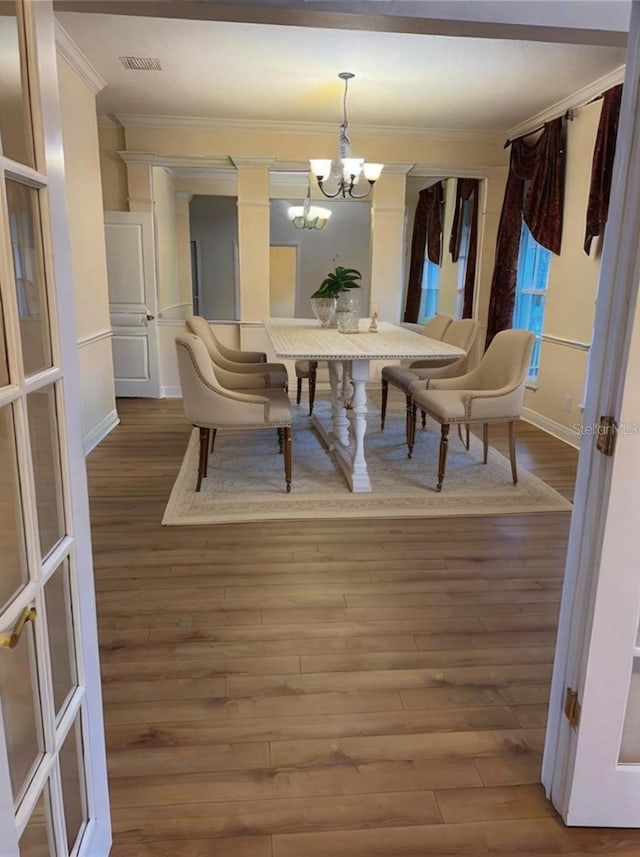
53, 784
591, 767
133, 302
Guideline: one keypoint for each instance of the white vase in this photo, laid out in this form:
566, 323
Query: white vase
324, 310
348, 311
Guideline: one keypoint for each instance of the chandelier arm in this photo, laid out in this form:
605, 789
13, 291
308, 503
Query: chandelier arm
360, 195
330, 195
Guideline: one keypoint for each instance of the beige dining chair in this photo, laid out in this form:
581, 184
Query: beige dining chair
209, 406
275, 374
306, 369
462, 334
492, 392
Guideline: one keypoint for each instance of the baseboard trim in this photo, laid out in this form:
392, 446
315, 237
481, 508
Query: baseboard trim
563, 433
170, 392
99, 432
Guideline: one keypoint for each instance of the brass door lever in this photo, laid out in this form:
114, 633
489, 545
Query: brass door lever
10, 641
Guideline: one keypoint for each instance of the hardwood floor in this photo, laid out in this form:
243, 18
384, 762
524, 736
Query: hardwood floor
345, 688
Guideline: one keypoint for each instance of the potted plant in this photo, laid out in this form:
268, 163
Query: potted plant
337, 281
325, 300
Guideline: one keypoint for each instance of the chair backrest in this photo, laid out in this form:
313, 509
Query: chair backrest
200, 327
196, 374
435, 327
506, 361
461, 332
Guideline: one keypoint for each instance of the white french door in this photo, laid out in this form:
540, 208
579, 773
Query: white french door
591, 767
53, 793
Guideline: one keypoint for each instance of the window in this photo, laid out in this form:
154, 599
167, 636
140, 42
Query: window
430, 291
465, 237
531, 291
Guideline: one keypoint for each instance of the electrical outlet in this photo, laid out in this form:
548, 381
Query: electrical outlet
568, 404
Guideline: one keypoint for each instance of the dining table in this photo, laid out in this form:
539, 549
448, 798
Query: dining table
349, 356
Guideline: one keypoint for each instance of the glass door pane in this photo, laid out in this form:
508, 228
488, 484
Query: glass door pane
73, 792
12, 544
15, 124
4, 361
57, 594
45, 455
34, 841
21, 710
26, 246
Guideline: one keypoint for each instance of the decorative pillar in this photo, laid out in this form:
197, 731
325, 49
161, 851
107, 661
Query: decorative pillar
139, 180
253, 236
388, 242
183, 245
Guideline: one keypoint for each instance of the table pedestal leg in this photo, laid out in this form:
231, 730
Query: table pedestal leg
339, 378
349, 420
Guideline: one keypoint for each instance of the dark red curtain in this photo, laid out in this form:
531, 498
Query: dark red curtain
537, 168
466, 189
602, 165
427, 236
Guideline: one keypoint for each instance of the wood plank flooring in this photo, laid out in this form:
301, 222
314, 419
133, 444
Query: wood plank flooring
344, 688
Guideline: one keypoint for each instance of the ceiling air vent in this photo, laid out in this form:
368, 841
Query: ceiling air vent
141, 63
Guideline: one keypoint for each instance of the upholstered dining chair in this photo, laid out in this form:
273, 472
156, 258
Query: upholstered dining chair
209, 406
436, 326
306, 369
275, 374
461, 333
492, 392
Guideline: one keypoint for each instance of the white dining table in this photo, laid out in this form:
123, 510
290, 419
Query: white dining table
349, 356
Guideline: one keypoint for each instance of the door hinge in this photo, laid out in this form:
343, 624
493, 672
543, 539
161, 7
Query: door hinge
572, 707
607, 432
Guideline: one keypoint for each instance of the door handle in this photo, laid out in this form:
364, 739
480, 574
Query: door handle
150, 317
10, 641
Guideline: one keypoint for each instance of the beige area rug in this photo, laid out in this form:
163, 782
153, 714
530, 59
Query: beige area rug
246, 478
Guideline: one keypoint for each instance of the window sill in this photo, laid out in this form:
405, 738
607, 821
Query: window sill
532, 384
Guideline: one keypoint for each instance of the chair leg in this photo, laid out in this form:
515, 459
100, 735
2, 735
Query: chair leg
464, 440
213, 439
313, 368
383, 406
299, 391
407, 421
424, 419
442, 458
512, 450
287, 457
411, 430
204, 454
280, 439
485, 442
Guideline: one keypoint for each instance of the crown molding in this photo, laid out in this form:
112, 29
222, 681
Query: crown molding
252, 161
580, 98
140, 120
176, 161
80, 63
397, 169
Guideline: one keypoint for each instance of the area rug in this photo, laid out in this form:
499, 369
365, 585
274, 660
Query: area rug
246, 478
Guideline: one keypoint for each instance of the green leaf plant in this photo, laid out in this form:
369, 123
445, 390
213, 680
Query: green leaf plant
340, 280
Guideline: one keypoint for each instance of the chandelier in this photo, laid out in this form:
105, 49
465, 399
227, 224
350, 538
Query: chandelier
346, 171
307, 216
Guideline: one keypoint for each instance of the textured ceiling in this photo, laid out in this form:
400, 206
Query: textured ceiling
224, 70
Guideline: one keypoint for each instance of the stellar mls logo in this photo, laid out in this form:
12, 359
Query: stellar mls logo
596, 429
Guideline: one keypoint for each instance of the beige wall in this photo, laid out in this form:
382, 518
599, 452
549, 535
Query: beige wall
86, 231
